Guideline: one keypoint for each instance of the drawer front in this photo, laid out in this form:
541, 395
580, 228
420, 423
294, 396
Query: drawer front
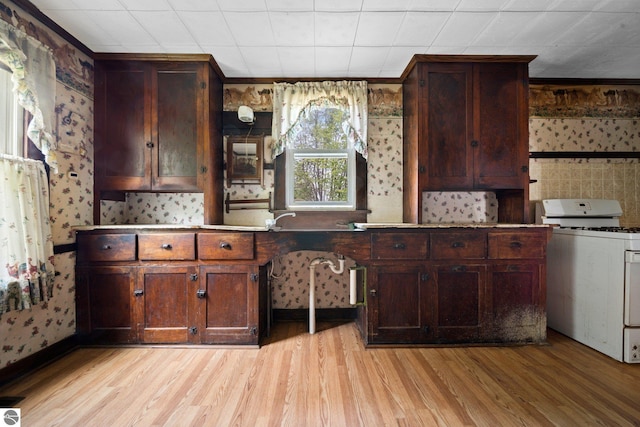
399, 245
106, 247
167, 246
510, 245
225, 246
458, 245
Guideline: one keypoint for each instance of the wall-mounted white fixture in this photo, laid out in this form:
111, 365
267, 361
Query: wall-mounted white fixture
245, 114
271, 223
312, 285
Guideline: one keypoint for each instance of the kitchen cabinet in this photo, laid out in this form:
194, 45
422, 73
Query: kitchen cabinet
232, 304
466, 128
467, 286
150, 287
157, 127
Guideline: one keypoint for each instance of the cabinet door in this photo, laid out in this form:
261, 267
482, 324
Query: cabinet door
178, 119
460, 303
398, 304
231, 312
103, 304
447, 127
122, 118
518, 315
166, 304
500, 126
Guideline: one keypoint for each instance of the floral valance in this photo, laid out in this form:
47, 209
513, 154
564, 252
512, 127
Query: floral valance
26, 244
290, 102
34, 82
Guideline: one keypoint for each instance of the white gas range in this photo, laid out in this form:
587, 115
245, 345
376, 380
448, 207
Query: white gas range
593, 276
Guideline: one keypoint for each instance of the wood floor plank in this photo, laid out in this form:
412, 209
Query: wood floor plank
329, 379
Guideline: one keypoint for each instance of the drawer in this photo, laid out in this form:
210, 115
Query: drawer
454, 245
509, 245
106, 247
225, 246
399, 245
167, 246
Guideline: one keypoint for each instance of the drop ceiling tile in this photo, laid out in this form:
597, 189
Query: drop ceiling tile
364, 59
262, 61
398, 58
481, 6
290, 5
463, 28
420, 28
504, 27
594, 28
121, 26
619, 6
292, 29
332, 59
242, 6
335, 29
338, 5
298, 61
385, 5
377, 29
229, 59
528, 5
190, 48
46, 5
98, 5
208, 28
194, 5
82, 27
146, 4
434, 5
547, 28
575, 5
164, 27
250, 28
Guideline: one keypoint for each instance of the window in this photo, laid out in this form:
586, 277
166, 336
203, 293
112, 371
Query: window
320, 145
11, 118
320, 169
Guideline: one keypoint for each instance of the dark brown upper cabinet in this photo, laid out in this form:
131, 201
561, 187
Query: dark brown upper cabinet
157, 127
466, 128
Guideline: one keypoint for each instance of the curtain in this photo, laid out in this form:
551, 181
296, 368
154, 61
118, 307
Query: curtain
26, 243
291, 100
34, 82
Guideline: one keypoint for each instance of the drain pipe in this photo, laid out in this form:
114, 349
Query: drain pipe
312, 285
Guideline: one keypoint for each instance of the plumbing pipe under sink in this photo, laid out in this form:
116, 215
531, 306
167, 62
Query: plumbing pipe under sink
312, 285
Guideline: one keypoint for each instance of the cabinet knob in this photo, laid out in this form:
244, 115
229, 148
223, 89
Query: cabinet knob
457, 245
167, 246
515, 245
138, 293
474, 143
373, 292
150, 144
201, 293
106, 247
422, 169
399, 246
225, 245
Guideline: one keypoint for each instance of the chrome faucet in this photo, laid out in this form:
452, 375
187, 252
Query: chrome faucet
271, 223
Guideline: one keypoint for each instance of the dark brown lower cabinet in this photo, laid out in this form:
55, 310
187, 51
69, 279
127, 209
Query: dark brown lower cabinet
233, 310
166, 304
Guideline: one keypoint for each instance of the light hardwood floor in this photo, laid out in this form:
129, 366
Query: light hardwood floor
297, 379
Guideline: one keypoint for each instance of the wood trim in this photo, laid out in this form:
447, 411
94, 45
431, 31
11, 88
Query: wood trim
271, 80
584, 155
61, 249
463, 58
585, 82
37, 360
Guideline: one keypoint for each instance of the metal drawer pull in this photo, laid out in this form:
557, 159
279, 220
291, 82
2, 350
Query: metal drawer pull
138, 293
106, 247
457, 245
201, 293
399, 246
515, 245
167, 246
225, 245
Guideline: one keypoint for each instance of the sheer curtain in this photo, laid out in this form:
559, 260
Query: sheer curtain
291, 100
26, 243
34, 82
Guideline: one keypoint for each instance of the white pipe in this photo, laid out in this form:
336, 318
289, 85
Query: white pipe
312, 285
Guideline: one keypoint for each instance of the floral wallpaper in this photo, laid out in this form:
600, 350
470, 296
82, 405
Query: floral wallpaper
26, 332
459, 207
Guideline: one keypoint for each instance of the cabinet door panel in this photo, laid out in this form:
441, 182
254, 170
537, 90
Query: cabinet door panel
230, 312
167, 309
518, 313
499, 155
461, 302
177, 104
447, 124
103, 301
398, 304
121, 116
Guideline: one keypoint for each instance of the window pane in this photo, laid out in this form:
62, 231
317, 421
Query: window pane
11, 114
321, 179
321, 128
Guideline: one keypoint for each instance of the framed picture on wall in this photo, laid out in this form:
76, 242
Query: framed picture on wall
244, 159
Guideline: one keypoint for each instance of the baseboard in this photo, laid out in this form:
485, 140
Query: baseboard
37, 360
322, 314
